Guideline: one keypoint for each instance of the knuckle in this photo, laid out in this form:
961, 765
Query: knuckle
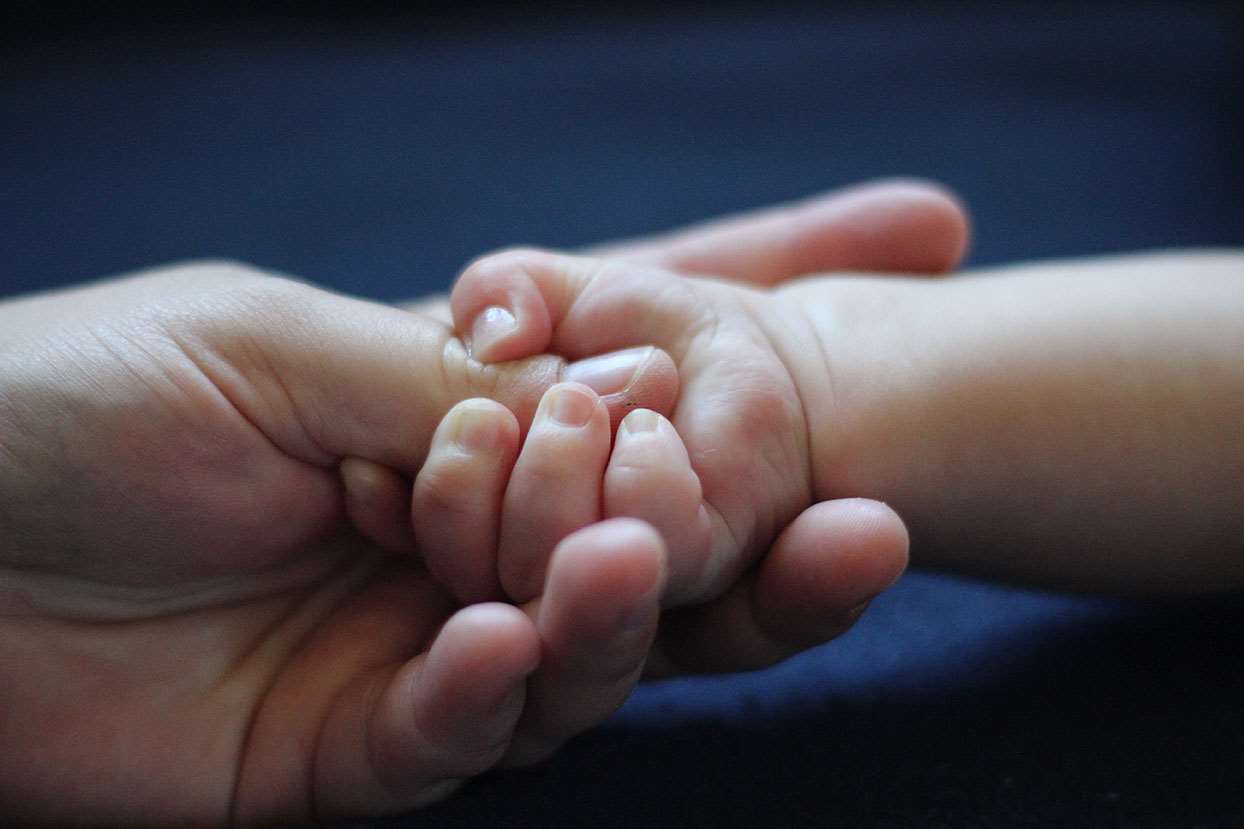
507, 262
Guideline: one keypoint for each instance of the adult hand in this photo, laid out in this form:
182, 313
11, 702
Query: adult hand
193, 631
190, 629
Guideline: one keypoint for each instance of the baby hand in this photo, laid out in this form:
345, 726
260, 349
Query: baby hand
740, 437
488, 516
487, 512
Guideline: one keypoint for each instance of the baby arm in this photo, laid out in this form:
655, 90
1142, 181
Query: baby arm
1072, 424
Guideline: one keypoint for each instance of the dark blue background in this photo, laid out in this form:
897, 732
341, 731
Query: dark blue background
377, 151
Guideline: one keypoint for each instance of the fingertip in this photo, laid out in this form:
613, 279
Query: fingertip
620, 556
835, 556
364, 479
478, 425
941, 221
628, 533
894, 225
448, 713
491, 635
935, 220
466, 694
654, 386
377, 502
874, 544
573, 405
604, 578
498, 309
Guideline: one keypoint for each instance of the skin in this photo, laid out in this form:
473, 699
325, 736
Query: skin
491, 508
1004, 415
186, 658
1073, 425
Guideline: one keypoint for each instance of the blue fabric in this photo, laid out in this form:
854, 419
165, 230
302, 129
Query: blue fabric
377, 153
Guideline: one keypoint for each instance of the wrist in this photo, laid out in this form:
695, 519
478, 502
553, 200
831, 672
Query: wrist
851, 358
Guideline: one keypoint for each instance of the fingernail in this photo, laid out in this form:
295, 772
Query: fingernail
611, 373
641, 420
475, 430
492, 325
570, 406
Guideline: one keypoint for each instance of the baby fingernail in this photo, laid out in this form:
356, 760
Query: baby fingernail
475, 429
570, 406
610, 373
492, 325
641, 420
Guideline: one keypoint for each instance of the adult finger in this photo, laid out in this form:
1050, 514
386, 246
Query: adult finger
377, 500
904, 226
596, 619
410, 735
894, 225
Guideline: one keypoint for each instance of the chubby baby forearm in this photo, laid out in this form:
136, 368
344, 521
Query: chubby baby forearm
1076, 424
